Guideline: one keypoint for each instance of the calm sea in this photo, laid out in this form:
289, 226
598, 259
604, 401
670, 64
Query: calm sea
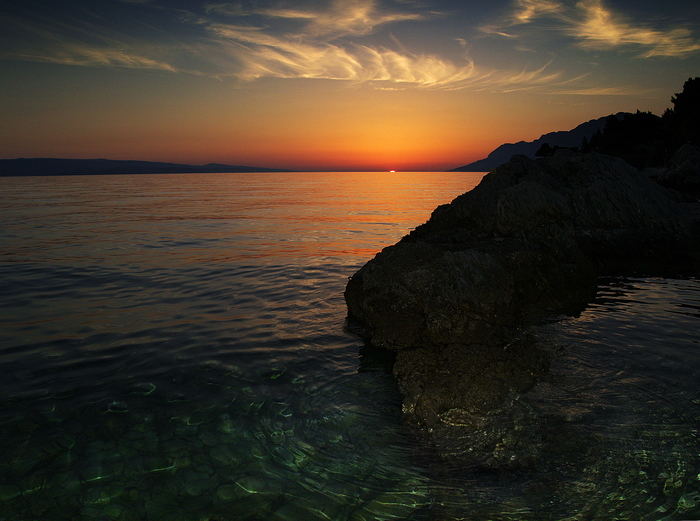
173, 348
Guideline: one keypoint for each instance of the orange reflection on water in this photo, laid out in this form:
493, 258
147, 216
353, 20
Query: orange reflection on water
350, 213
221, 218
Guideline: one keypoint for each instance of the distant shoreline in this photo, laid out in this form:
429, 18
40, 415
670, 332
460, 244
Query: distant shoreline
252, 170
146, 173
2, 174
24, 167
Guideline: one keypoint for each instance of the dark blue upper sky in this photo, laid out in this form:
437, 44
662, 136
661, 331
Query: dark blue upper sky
335, 39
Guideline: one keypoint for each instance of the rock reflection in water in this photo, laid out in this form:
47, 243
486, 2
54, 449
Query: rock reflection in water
617, 417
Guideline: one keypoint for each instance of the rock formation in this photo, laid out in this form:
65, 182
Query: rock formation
684, 172
454, 298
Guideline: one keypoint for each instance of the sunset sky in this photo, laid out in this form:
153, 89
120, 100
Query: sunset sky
326, 85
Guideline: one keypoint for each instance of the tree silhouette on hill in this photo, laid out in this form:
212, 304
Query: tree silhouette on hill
645, 140
685, 116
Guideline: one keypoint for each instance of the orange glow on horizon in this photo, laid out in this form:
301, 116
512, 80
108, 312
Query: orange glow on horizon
319, 125
336, 85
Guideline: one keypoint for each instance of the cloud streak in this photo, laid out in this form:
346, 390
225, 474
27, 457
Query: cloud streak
267, 56
74, 54
600, 28
322, 44
594, 26
81, 44
343, 17
528, 10
318, 51
601, 91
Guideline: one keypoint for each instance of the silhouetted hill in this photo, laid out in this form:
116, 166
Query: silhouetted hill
646, 140
51, 166
563, 138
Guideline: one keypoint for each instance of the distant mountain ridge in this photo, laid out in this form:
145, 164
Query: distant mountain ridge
54, 166
562, 138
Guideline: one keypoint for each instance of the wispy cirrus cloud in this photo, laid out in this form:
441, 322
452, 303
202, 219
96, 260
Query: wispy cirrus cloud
81, 44
82, 55
341, 17
263, 55
600, 28
593, 25
523, 12
330, 43
602, 91
528, 10
317, 50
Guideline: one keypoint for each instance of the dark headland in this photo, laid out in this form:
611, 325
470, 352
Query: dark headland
53, 166
561, 138
454, 299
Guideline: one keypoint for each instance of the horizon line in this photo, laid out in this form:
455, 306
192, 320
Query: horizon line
254, 168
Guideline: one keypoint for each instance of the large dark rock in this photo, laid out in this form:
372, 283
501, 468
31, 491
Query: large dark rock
684, 172
454, 298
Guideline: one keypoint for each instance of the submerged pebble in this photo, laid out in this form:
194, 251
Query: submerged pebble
118, 407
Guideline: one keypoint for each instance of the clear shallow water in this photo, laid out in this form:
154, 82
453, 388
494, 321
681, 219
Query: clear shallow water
173, 347
618, 412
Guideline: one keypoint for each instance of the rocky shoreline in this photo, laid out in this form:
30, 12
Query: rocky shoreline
454, 299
